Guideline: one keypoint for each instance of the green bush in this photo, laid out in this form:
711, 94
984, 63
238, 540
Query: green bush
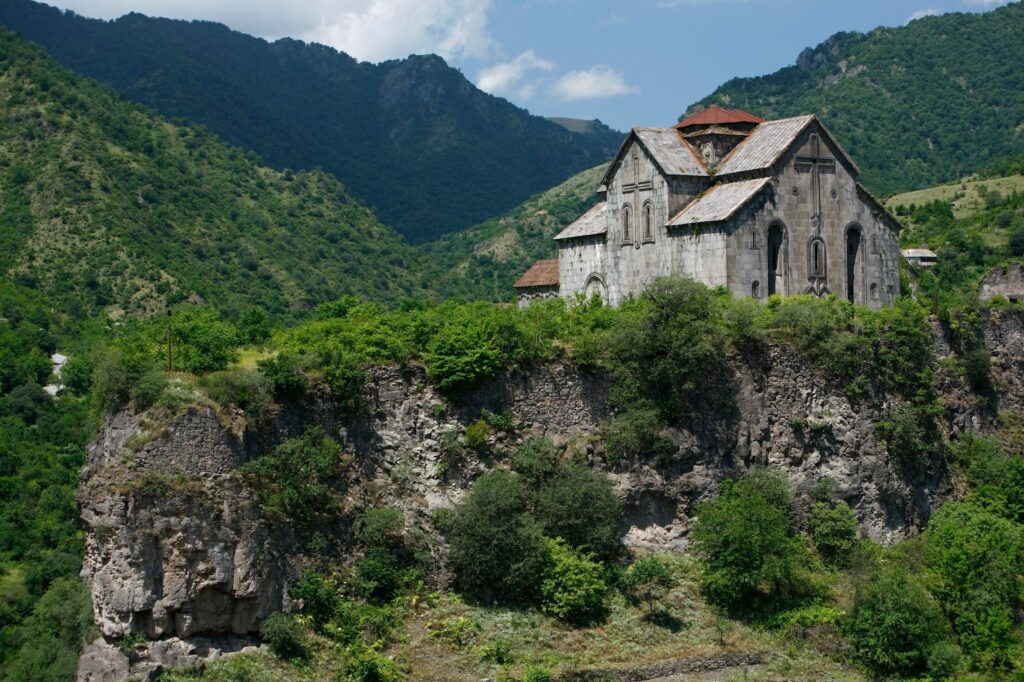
895, 625
473, 348
299, 481
47, 644
286, 637
834, 532
477, 434
997, 478
637, 435
573, 588
647, 581
367, 664
579, 506
974, 559
537, 675
244, 388
978, 370
755, 562
535, 460
284, 373
496, 549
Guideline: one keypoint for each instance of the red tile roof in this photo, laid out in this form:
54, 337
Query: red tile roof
715, 114
543, 273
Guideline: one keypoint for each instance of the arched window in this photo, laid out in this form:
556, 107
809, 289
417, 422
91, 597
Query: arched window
755, 238
816, 264
755, 289
627, 224
875, 247
874, 291
648, 222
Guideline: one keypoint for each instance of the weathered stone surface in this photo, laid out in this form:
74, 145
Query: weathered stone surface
103, 662
176, 547
1006, 281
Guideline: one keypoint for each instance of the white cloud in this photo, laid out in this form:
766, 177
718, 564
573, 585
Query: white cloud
927, 12
985, 3
506, 77
366, 29
598, 81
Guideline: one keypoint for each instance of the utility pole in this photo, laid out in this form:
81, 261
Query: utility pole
170, 341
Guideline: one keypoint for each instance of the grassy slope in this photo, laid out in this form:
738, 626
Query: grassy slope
107, 206
915, 105
484, 261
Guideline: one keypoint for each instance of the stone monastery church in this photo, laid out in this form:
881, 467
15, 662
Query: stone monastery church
728, 199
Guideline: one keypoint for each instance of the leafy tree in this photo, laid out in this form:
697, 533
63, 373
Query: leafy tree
579, 506
496, 549
573, 588
896, 624
285, 636
648, 581
974, 559
834, 532
755, 562
299, 481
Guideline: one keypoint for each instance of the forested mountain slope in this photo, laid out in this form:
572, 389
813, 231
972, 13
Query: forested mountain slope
421, 144
915, 105
107, 206
484, 261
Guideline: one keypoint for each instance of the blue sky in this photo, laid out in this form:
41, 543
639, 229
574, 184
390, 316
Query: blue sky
627, 62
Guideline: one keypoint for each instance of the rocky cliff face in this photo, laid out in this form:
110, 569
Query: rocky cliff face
177, 548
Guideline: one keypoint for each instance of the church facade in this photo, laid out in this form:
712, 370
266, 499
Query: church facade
728, 199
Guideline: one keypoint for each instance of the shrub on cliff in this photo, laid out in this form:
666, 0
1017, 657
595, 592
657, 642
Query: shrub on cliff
579, 506
834, 532
496, 548
755, 563
299, 481
473, 346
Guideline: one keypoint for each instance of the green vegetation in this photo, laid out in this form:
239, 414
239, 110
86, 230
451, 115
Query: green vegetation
969, 243
757, 563
45, 614
482, 262
107, 207
951, 104
297, 483
413, 138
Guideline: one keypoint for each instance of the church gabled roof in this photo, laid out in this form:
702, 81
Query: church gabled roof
769, 141
667, 150
719, 203
715, 115
591, 223
543, 273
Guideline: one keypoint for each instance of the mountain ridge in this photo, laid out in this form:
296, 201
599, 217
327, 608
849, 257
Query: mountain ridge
950, 88
413, 138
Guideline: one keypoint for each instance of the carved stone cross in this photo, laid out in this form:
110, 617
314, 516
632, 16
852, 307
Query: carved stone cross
816, 163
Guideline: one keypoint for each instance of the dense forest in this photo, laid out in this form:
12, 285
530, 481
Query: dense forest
915, 105
106, 206
413, 138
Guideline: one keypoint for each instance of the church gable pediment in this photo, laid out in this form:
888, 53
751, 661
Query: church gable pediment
665, 148
773, 142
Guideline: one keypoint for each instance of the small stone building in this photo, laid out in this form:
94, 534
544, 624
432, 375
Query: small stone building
540, 281
729, 199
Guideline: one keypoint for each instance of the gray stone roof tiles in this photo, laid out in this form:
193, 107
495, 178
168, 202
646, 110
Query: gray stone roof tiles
766, 143
719, 202
669, 151
591, 223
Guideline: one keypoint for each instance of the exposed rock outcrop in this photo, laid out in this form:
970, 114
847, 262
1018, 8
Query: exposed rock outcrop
177, 548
